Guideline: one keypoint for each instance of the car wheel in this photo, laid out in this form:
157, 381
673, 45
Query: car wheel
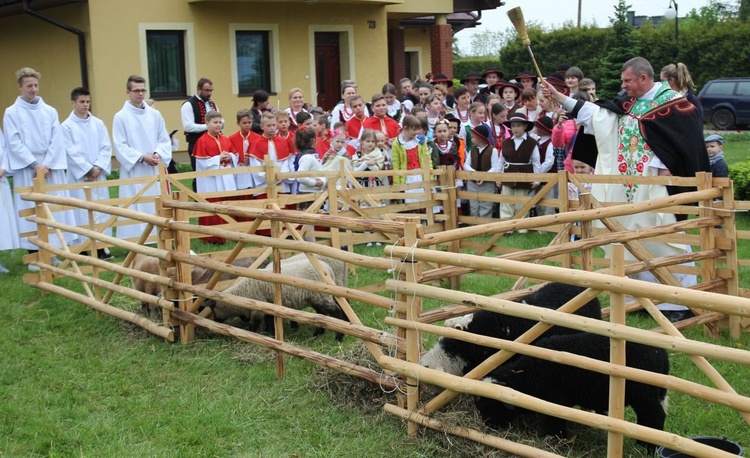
723, 119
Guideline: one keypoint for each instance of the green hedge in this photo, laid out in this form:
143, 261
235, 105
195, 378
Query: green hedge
473, 64
740, 174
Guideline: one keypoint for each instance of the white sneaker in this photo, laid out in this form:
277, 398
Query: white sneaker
523, 231
33, 268
3, 269
369, 243
378, 244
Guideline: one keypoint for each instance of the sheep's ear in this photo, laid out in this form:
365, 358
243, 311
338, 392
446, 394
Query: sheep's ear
459, 327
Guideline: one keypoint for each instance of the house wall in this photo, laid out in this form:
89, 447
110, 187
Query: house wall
50, 50
115, 49
419, 38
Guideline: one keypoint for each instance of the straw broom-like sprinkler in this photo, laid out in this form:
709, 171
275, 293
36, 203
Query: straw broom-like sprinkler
516, 17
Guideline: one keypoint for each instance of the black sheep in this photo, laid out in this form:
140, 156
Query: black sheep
458, 357
573, 386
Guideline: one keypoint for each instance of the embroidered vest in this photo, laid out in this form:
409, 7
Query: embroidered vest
481, 162
518, 161
199, 116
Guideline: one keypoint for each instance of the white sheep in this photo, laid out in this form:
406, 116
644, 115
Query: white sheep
293, 297
198, 275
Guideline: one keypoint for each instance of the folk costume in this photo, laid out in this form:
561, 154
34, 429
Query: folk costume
8, 213
354, 128
388, 126
139, 131
481, 159
410, 155
193, 115
87, 145
519, 155
33, 136
207, 154
638, 137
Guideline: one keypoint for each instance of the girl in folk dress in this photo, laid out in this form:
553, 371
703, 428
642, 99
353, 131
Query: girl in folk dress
308, 161
409, 154
396, 111
498, 131
369, 158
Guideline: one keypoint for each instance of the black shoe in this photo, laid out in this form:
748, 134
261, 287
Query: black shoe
678, 315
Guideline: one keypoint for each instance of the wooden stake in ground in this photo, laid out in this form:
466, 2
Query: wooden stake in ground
516, 17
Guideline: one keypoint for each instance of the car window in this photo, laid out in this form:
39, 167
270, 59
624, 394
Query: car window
720, 88
743, 88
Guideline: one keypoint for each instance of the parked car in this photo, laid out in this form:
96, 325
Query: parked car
726, 102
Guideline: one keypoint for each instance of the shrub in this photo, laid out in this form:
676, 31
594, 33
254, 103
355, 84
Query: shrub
740, 174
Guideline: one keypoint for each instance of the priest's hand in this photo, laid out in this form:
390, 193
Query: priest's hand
95, 171
151, 159
549, 91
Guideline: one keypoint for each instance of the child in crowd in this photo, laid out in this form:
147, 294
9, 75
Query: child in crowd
482, 157
530, 103
241, 141
463, 102
354, 126
337, 154
282, 125
520, 154
715, 149
321, 126
509, 92
433, 105
271, 144
409, 154
498, 116
477, 116
304, 119
383, 145
213, 151
9, 241
444, 150
574, 192
379, 121
490, 101
440, 92
395, 110
424, 91
370, 157
308, 162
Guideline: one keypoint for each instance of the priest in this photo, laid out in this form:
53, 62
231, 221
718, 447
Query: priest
141, 142
652, 131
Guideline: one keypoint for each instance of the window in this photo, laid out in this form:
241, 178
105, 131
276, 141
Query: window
166, 63
743, 88
720, 88
253, 61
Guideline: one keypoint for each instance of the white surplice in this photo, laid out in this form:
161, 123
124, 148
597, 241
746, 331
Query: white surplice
9, 240
87, 145
139, 131
33, 135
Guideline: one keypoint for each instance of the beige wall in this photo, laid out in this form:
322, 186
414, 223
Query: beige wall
419, 38
31, 42
115, 49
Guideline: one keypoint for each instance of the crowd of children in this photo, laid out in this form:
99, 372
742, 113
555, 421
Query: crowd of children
488, 124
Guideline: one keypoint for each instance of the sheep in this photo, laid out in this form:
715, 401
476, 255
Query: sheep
198, 275
458, 357
294, 297
571, 385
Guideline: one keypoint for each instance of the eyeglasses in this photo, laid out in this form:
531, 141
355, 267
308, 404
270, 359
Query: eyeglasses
138, 91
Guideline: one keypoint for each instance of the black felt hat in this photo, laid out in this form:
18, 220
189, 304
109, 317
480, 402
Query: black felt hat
520, 117
473, 76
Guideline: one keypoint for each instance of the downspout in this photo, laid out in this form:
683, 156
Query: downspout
468, 24
81, 39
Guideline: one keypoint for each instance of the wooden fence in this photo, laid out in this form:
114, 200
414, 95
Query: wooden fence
426, 247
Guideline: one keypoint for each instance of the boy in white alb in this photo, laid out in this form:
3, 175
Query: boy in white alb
141, 142
34, 142
89, 157
7, 209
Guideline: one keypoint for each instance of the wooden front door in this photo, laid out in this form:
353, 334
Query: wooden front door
327, 69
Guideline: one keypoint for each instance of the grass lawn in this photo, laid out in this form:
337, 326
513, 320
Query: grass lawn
737, 147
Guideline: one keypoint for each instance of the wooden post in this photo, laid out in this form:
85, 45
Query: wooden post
708, 242
183, 271
730, 233
587, 254
42, 231
94, 247
410, 271
450, 210
616, 354
333, 205
562, 198
277, 298
427, 180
